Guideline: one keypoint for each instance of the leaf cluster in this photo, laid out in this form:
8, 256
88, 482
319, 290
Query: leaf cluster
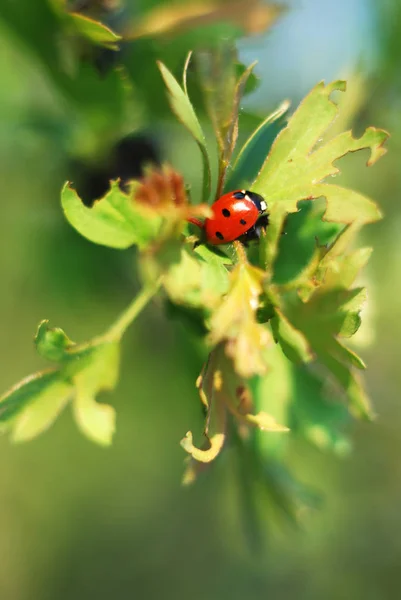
275, 314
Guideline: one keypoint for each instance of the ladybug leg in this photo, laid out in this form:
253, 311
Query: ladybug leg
249, 236
254, 232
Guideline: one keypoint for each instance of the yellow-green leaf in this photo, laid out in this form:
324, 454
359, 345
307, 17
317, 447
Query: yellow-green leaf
95, 31
235, 322
184, 111
52, 344
42, 411
25, 392
114, 220
96, 420
297, 165
294, 344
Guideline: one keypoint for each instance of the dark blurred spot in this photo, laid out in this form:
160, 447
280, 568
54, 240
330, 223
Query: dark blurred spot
126, 161
226, 212
243, 222
219, 235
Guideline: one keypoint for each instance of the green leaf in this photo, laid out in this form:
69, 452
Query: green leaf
351, 383
197, 282
42, 411
113, 221
25, 392
100, 372
234, 321
85, 370
293, 343
223, 90
52, 344
327, 314
251, 157
94, 31
297, 165
332, 312
182, 106
345, 355
340, 271
253, 81
273, 394
183, 280
184, 111
316, 414
303, 244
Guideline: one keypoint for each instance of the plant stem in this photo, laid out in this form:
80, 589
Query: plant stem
119, 327
207, 177
240, 252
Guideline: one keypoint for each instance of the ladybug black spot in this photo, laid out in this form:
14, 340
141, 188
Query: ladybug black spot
226, 212
219, 235
243, 222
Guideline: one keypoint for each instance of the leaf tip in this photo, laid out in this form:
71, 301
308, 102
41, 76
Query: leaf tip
340, 85
377, 149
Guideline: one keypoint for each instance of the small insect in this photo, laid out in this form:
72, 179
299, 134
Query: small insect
238, 215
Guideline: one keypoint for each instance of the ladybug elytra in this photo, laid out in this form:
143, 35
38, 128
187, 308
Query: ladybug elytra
238, 215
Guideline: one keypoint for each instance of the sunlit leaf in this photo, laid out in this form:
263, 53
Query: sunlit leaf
194, 282
292, 341
330, 313
297, 165
84, 370
100, 372
42, 410
234, 321
183, 109
25, 392
95, 31
113, 221
340, 271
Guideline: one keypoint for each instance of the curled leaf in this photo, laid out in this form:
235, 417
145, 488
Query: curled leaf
216, 442
51, 343
234, 321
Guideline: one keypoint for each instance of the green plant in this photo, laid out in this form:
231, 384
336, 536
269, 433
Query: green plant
272, 316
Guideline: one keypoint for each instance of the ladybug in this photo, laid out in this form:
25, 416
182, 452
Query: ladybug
238, 215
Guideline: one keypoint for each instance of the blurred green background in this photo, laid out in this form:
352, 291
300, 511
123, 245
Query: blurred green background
78, 521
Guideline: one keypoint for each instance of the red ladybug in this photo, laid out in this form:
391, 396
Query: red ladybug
236, 215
